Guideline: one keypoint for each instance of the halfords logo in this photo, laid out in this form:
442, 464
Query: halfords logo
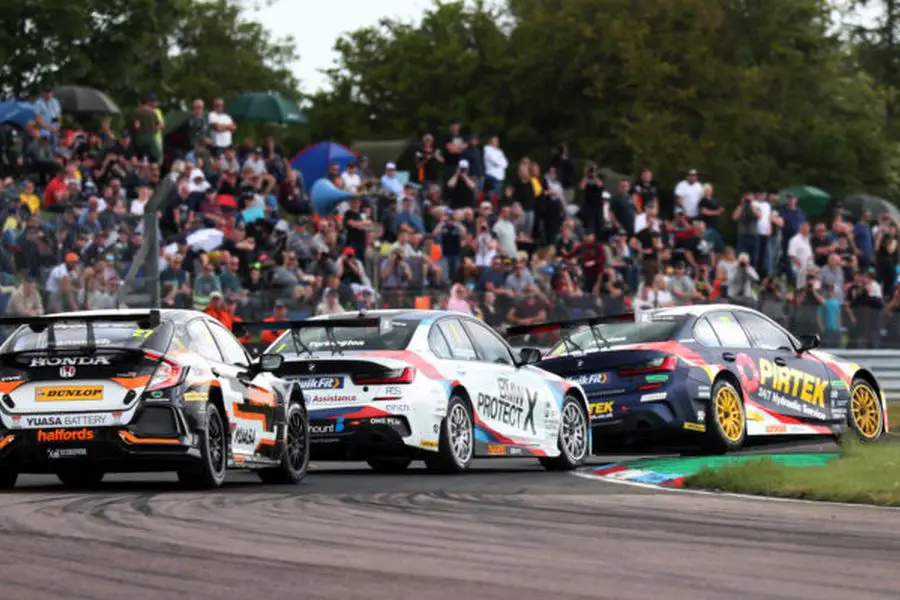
69, 361
65, 435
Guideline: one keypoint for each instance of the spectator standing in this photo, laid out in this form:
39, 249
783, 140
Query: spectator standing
800, 255
747, 215
350, 177
390, 181
565, 169
830, 317
461, 187
689, 191
495, 165
474, 156
279, 314
454, 145
764, 232
48, 113
710, 211
198, 124
145, 124
862, 237
823, 244
160, 120
832, 276
429, 161
221, 126
591, 213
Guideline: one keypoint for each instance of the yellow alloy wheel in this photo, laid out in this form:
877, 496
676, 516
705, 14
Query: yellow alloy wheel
866, 408
729, 414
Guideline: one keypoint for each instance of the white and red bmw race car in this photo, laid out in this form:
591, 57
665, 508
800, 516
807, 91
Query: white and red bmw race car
393, 386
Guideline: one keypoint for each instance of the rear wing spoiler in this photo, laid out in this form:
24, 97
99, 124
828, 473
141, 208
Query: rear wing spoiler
242, 327
149, 319
538, 328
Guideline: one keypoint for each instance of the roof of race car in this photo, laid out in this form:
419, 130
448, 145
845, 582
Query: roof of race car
695, 310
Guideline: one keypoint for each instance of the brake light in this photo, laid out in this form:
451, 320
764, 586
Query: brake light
657, 365
168, 373
390, 378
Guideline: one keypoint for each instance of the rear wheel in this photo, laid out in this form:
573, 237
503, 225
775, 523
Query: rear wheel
726, 421
81, 478
457, 444
866, 418
573, 437
209, 471
295, 460
389, 465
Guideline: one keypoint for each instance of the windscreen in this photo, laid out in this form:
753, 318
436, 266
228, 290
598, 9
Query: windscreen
74, 335
396, 335
618, 334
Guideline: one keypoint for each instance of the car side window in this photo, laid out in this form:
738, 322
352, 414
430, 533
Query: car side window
231, 349
490, 346
201, 341
461, 347
704, 334
438, 343
728, 330
764, 333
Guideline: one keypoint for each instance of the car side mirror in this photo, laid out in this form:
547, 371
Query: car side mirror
270, 362
809, 341
529, 356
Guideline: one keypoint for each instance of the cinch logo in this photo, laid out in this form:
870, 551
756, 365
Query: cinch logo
65, 435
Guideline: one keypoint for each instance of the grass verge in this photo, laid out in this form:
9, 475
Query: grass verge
863, 474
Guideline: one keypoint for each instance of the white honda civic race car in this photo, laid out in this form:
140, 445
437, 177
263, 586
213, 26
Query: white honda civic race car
393, 386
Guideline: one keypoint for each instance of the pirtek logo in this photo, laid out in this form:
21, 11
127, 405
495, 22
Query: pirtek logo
71, 361
65, 435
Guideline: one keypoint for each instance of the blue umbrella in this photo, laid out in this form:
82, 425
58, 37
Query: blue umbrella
16, 112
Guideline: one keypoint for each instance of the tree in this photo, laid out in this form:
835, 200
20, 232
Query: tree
400, 79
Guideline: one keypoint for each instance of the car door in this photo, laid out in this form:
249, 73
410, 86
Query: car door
254, 411
735, 351
511, 401
790, 383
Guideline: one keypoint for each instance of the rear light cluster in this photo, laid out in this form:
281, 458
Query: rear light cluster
397, 376
168, 373
657, 365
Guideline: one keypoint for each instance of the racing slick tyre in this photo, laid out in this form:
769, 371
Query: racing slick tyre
573, 437
389, 465
295, 460
81, 478
209, 470
866, 415
456, 447
726, 420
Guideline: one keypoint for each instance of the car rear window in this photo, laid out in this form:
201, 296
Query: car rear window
396, 337
106, 335
618, 334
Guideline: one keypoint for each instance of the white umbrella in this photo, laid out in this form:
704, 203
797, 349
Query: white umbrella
206, 239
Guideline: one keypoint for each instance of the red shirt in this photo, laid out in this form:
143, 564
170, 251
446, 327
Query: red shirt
55, 186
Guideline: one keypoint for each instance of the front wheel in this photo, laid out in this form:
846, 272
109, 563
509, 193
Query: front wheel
81, 478
866, 418
295, 460
573, 437
457, 444
726, 426
209, 470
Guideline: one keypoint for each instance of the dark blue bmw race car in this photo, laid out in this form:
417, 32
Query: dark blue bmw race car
719, 373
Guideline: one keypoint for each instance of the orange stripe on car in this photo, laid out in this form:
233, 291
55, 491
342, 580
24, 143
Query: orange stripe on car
261, 397
264, 442
261, 417
130, 438
6, 441
7, 387
132, 383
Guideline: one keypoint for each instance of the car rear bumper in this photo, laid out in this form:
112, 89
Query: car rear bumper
157, 440
358, 439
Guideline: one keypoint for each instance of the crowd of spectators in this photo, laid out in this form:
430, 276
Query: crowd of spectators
512, 241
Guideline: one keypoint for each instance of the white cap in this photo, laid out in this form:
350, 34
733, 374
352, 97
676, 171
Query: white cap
463, 164
390, 166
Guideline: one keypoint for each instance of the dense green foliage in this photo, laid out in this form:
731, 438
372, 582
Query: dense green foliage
769, 92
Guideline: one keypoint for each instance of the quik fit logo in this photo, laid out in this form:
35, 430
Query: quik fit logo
514, 406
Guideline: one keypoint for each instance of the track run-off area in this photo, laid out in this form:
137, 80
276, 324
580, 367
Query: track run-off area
506, 530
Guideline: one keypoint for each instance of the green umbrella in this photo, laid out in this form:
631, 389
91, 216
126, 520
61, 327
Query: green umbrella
812, 200
267, 107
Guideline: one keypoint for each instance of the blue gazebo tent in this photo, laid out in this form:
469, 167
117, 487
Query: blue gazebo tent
313, 161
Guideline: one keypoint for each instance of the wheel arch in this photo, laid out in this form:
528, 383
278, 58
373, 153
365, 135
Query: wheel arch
727, 375
215, 398
457, 389
295, 396
867, 376
582, 397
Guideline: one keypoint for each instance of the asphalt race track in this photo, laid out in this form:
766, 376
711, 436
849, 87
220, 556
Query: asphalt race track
507, 530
